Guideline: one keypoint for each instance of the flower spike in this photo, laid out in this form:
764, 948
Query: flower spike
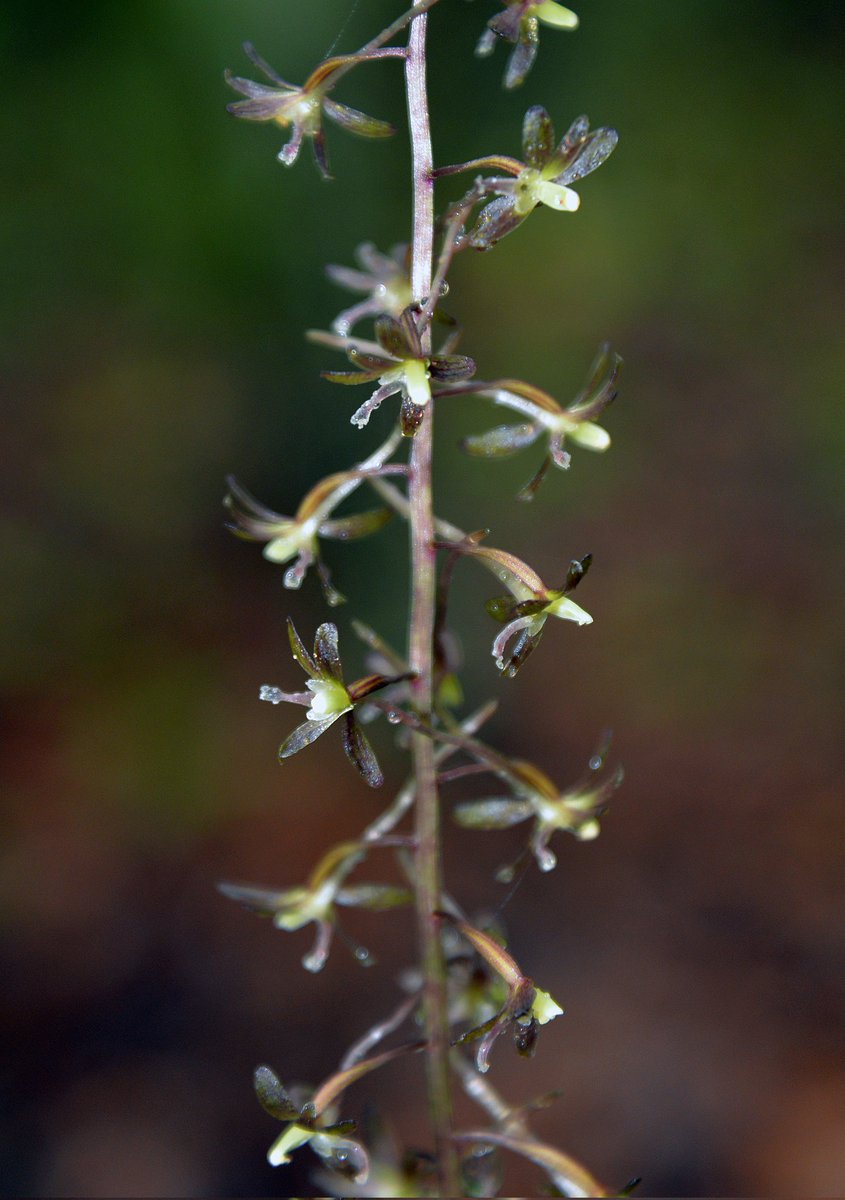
519, 24
302, 108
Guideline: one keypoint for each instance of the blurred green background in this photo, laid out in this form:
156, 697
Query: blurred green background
160, 268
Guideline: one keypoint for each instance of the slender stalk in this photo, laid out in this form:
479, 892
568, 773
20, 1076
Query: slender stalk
421, 643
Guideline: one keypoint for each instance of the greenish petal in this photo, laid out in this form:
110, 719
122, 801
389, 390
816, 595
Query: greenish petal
360, 752
326, 654
305, 734
588, 435
376, 896
568, 610
300, 653
357, 122
538, 136
272, 1096
500, 442
499, 812
554, 14
357, 526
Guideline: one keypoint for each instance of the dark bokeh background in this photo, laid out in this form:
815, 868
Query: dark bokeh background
159, 268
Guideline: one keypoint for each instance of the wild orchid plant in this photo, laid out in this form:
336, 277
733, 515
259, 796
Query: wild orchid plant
466, 989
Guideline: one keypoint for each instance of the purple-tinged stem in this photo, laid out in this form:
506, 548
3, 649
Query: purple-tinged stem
428, 856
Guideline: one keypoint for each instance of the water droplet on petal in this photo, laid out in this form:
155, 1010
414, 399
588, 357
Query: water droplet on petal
394, 718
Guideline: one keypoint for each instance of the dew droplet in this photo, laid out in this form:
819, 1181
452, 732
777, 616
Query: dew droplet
595, 762
393, 718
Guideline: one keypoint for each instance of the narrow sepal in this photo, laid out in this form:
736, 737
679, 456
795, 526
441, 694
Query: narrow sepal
398, 336
300, 653
410, 417
499, 812
326, 654
305, 734
264, 67
578, 568
272, 1096
494, 221
538, 136
535, 396
360, 752
353, 377
600, 389
357, 122
580, 153
264, 901
500, 442
318, 149
451, 368
522, 56
345, 529
376, 896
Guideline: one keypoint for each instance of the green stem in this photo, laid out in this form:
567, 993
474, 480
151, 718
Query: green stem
421, 645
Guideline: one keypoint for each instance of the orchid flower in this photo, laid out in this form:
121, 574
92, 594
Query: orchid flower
315, 901
519, 24
546, 418
543, 178
297, 536
525, 1007
302, 108
399, 365
328, 699
530, 602
575, 810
